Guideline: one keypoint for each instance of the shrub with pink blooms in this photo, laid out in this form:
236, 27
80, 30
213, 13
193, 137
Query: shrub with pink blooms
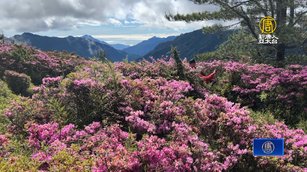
140, 117
4, 48
261, 87
209, 135
35, 63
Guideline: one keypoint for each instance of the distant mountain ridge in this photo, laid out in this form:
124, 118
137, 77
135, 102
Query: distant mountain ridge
120, 46
146, 46
190, 44
89, 37
85, 46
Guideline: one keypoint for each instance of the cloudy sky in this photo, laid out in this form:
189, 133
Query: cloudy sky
114, 21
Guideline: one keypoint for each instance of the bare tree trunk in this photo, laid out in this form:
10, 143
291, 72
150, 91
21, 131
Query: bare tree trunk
280, 53
291, 19
281, 16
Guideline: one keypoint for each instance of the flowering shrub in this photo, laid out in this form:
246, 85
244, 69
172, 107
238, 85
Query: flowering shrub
3, 140
141, 117
5, 48
168, 132
3, 143
159, 68
35, 63
263, 87
220, 141
24, 111
108, 142
51, 81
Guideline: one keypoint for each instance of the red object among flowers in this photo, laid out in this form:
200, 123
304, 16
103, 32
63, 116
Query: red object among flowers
207, 78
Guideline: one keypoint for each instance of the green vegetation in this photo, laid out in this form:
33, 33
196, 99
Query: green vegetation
164, 115
19, 83
179, 65
101, 56
6, 96
291, 26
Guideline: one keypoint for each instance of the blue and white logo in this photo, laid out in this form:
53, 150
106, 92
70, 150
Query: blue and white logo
268, 147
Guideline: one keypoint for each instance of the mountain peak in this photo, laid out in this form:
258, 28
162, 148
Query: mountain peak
146, 46
91, 38
120, 46
27, 34
78, 45
87, 36
190, 44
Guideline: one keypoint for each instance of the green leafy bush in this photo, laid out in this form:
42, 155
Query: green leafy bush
93, 94
20, 53
18, 163
303, 125
19, 83
6, 96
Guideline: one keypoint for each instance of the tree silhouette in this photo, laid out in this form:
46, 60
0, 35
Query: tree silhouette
2, 37
290, 15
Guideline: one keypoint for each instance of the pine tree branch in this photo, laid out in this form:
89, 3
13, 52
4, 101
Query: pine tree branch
200, 16
229, 12
241, 14
256, 2
249, 25
299, 16
200, 1
222, 14
241, 3
216, 28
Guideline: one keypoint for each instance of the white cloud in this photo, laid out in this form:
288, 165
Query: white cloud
44, 15
114, 21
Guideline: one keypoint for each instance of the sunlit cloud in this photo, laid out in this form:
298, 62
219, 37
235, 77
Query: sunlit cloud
37, 15
128, 21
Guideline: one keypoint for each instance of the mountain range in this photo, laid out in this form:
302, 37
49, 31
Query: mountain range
119, 46
146, 46
188, 44
90, 38
82, 46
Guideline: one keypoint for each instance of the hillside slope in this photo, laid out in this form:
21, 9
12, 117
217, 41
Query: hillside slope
146, 46
84, 114
82, 46
190, 44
